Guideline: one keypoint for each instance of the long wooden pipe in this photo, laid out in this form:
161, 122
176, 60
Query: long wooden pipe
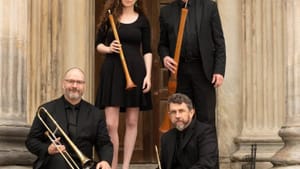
157, 156
129, 82
172, 83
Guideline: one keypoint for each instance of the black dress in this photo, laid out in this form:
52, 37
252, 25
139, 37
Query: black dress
135, 39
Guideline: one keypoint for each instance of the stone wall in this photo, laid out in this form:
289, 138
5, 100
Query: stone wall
37, 45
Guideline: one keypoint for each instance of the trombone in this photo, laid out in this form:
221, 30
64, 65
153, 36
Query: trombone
85, 162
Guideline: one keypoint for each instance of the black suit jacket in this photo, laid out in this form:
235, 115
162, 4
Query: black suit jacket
198, 150
209, 30
91, 131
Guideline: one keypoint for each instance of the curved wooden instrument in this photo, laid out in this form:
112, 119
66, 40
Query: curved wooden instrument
129, 82
172, 83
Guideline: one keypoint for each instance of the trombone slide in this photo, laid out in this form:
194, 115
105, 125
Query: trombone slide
85, 162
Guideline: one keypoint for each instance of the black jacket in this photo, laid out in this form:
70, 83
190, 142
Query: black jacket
91, 131
198, 150
209, 31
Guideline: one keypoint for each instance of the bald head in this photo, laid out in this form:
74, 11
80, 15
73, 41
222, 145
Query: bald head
74, 85
74, 71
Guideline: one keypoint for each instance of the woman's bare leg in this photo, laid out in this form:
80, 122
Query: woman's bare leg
132, 116
112, 121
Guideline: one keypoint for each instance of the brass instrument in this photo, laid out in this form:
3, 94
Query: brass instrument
85, 162
172, 83
129, 82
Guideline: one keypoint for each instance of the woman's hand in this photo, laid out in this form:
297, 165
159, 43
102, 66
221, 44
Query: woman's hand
146, 84
115, 46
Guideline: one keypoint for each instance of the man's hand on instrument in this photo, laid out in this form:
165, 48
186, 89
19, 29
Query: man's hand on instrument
217, 80
53, 149
115, 46
103, 165
170, 64
146, 84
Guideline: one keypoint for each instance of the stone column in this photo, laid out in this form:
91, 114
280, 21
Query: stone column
14, 38
263, 75
79, 39
39, 40
289, 155
229, 96
62, 37
45, 60
13, 53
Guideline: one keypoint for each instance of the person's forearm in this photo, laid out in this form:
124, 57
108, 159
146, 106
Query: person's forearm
148, 64
103, 49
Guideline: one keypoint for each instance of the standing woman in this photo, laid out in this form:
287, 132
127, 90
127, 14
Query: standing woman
135, 36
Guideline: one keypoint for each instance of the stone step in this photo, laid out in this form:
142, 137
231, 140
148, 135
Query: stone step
132, 166
141, 166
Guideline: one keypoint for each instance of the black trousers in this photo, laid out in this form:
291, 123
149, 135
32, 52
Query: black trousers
192, 82
58, 162
55, 161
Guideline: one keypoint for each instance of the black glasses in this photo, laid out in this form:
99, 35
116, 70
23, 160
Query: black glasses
71, 81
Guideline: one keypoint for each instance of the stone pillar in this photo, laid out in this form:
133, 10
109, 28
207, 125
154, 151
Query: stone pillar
263, 75
45, 60
288, 156
229, 102
13, 53
14, 38
79, 39
62, 37
39, 40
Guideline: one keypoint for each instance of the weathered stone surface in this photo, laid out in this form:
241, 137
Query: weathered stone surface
12, 146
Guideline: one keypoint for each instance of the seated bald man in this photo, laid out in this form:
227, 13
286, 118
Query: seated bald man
84, 124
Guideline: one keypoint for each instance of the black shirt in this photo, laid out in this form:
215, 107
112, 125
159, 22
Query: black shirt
177, 161
72, 117
72, 112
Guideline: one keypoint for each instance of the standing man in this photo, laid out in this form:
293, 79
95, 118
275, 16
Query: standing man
82, 122
202, 60
191, 144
